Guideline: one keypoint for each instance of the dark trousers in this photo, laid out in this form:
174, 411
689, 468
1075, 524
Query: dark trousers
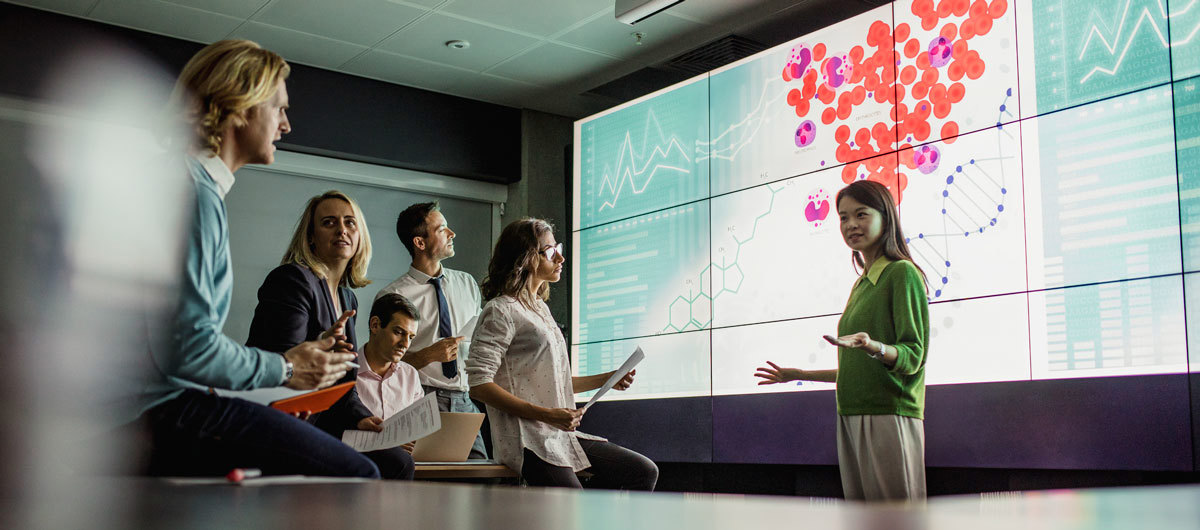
613, 467
202, 434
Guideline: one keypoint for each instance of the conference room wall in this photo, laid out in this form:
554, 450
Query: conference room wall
333, 114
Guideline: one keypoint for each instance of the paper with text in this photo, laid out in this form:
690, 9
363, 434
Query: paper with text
414, 422
633, 360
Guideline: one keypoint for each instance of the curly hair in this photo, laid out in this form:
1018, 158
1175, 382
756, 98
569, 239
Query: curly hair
220, 84
513, 261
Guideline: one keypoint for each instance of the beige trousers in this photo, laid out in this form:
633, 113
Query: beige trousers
882, 458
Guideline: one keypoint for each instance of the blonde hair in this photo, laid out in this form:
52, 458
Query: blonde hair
300, 250
220, 84
513, 261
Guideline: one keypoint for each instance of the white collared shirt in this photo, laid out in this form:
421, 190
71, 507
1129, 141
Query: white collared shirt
219, 172
463, 299
523, 351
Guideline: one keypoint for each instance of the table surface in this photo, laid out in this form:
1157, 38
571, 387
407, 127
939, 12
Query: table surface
153, 503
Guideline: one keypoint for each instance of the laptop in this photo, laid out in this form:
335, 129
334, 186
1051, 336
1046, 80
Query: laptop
451, 443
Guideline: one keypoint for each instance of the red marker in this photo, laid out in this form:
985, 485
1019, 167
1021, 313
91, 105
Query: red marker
238, 474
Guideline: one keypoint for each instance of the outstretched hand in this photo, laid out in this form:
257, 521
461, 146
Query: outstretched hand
776, 374
858, 340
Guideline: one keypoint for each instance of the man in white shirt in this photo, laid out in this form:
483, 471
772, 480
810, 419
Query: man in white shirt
385, 384
448, 299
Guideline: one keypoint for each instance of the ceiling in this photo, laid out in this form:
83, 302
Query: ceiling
547, 55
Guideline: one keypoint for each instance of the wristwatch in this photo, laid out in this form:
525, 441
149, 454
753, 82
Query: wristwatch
878, 356
288, 371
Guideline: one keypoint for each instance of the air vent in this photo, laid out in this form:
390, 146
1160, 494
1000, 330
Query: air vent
714, 55
708, 57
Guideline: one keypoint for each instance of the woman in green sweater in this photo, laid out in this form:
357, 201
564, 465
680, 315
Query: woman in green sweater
883, 341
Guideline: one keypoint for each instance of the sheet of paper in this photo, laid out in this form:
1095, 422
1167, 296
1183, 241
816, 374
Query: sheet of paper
467, 329
633, 360
414, 422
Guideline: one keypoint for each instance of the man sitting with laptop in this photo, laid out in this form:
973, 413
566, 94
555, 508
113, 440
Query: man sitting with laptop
386, 385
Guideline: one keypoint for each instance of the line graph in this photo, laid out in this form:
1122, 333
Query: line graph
1145, 16
741, 134
626, 168
1088, 50
641, 157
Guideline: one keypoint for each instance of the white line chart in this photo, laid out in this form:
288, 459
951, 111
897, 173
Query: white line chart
634, 169
1124, 40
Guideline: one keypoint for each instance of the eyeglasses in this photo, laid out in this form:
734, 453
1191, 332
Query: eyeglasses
550, 252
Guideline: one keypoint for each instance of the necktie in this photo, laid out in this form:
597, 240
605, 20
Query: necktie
450, 368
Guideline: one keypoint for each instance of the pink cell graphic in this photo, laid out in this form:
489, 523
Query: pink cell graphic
927, 158
818, 207
806, 133
941, 52
836, 71
798, 62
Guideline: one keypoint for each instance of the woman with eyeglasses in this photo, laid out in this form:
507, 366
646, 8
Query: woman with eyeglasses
518, 366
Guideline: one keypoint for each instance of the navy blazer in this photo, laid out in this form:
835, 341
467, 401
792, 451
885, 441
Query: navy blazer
294, 306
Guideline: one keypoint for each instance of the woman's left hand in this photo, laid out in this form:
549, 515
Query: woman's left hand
626, 381
858, 340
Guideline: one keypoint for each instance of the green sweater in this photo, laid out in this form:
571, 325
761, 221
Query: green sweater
890, 304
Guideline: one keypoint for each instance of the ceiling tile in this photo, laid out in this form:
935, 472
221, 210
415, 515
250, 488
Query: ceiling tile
496, 89
552, 64
235, 8
300, 47
606, 35
538, 18
363, 22
166, 19
426, 39
70, 7
403, 70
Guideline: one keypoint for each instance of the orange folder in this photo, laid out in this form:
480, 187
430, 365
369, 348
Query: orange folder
313, 402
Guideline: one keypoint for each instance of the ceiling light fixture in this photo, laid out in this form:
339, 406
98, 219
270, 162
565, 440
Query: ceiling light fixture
458, 44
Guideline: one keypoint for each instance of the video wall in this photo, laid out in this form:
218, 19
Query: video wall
1046, 159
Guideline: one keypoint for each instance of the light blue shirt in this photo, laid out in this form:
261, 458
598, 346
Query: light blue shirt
198, 354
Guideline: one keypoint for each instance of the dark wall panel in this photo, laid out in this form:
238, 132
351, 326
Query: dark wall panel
1114, 423
789, 428
666, 430
333, 114
1133, 423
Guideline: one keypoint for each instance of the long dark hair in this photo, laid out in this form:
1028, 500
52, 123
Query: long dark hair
514, 259
877, 197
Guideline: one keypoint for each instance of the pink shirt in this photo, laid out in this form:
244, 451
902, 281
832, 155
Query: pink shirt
388, 394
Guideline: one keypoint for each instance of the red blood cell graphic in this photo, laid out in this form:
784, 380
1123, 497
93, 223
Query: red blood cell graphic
917, 73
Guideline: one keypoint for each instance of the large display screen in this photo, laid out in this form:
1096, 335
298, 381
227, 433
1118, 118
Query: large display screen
1045, 155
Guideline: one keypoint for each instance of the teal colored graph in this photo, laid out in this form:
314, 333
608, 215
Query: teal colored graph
1086, 50
1110, 198
1184, 19
645, 157
633, 267
1187, 144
